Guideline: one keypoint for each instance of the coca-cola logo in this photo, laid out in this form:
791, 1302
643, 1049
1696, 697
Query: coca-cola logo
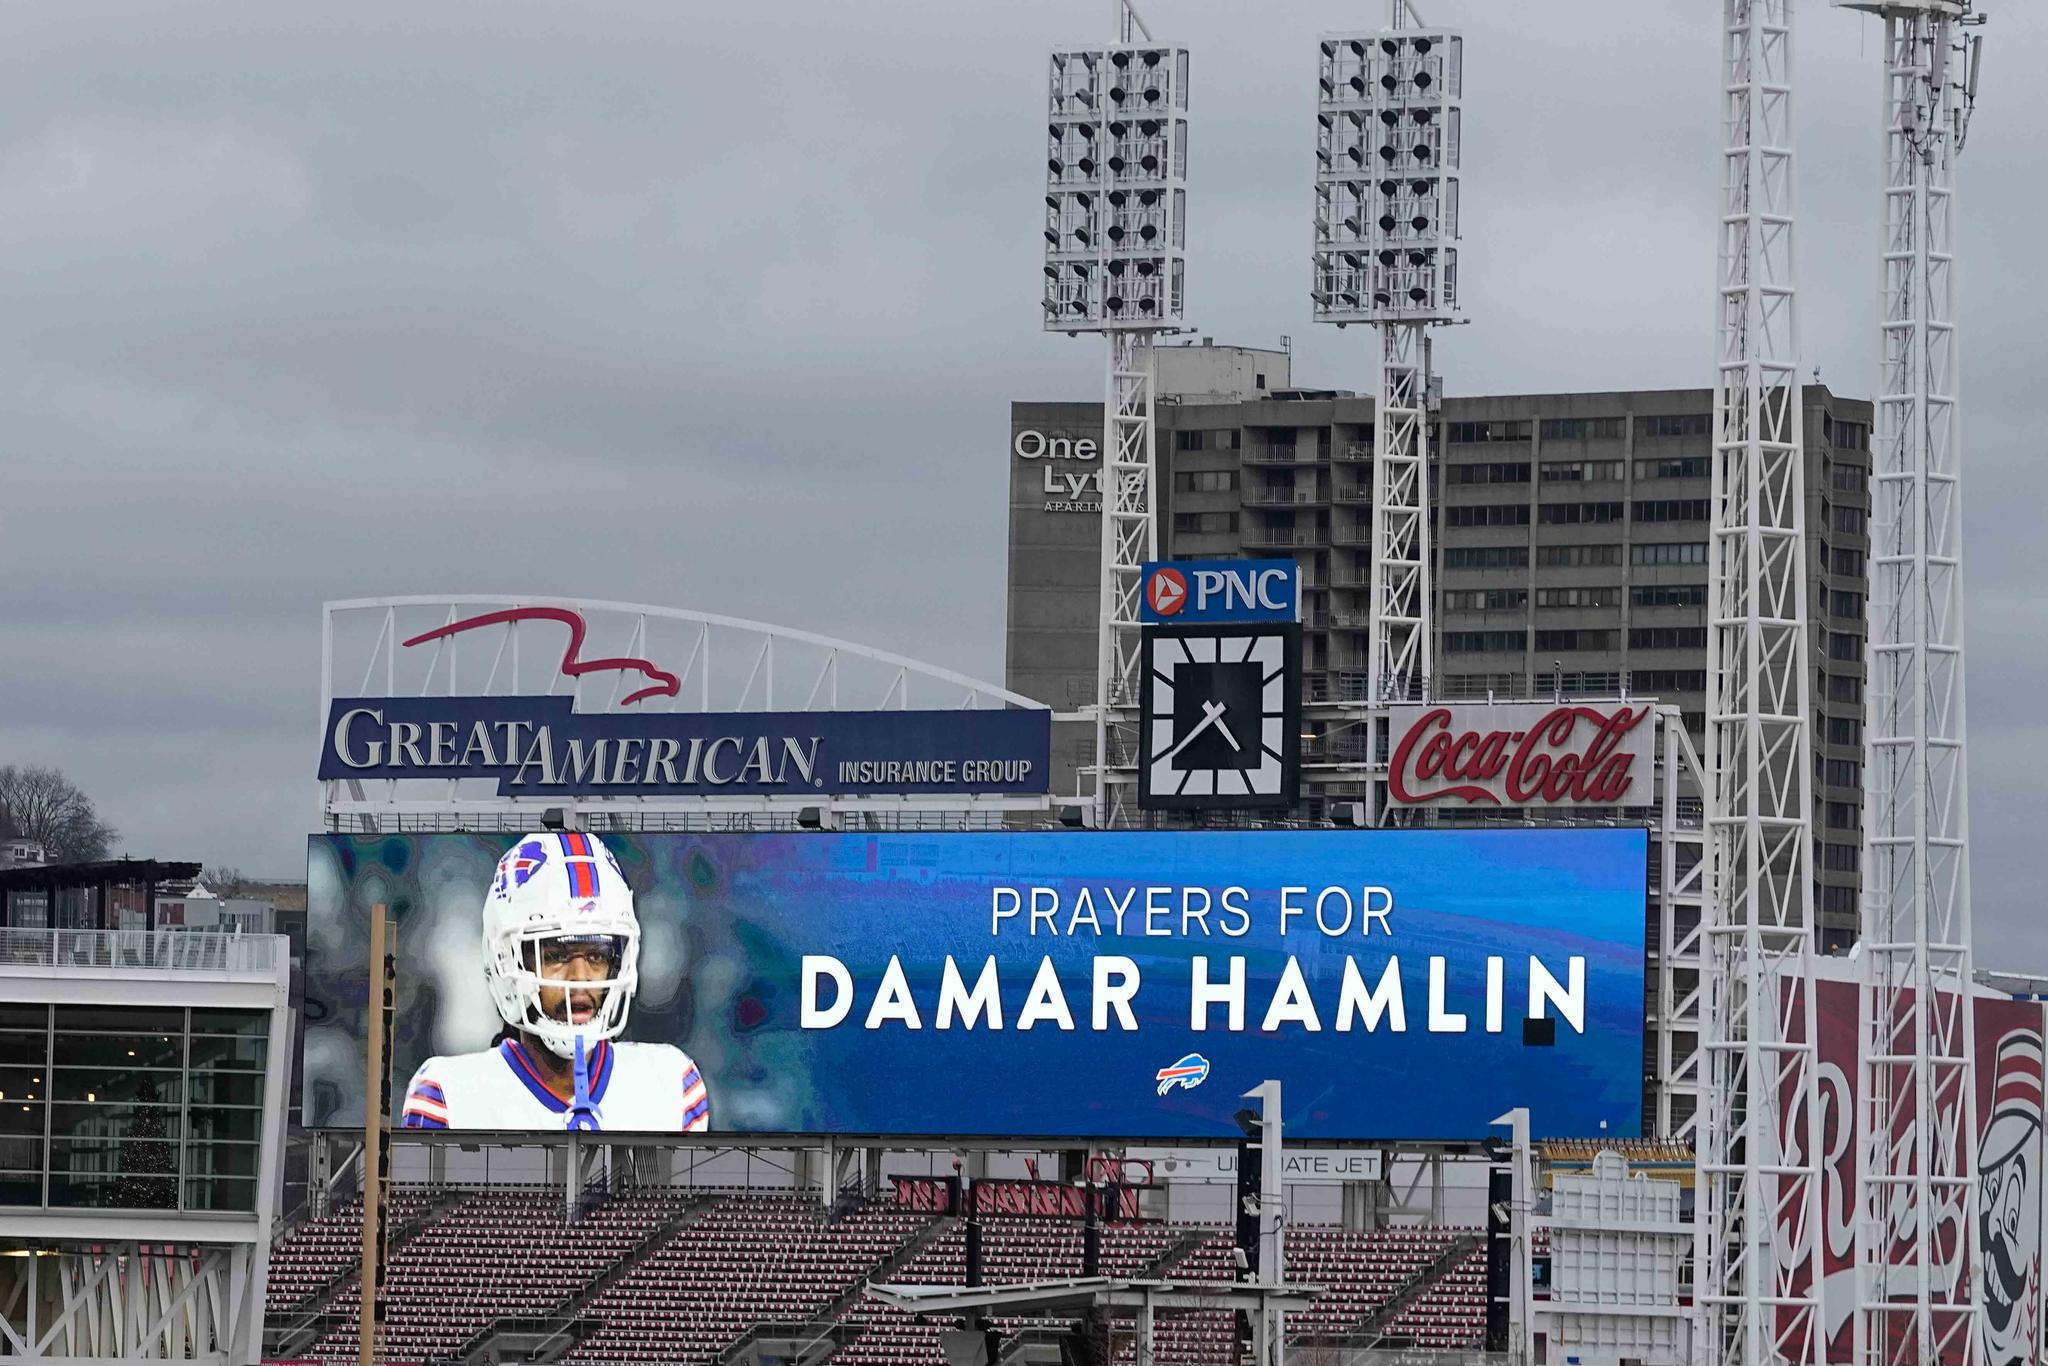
1571, 755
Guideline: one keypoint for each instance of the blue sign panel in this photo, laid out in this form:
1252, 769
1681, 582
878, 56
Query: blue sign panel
1400, 984
1187, 592
541, 746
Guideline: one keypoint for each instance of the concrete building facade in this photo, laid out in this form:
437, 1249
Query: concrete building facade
1569, 546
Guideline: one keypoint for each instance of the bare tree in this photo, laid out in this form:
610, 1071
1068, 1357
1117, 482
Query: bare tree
40, 803
224, 880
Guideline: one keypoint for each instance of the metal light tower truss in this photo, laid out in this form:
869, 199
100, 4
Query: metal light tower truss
1917, 1232
1387, 151
1759, 1230
1115, 207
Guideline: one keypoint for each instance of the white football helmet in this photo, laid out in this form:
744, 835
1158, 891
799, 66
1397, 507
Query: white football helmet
555, 886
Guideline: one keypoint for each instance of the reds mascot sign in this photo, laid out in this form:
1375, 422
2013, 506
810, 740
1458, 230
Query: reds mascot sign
1522, 754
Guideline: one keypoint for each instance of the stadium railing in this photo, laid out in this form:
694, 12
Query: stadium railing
157, 950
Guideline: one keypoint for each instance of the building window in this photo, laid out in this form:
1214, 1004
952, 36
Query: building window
1483, 642
1578, 597
1838, 900
1487, 557
1574, 640
1842, 645
1850, 520
1190, 441
1847, 563
1849, 478
1680, 552
1577, 556
1845, 688
1668, 595
1582, 428
1486, 599
1841, 815
1853, 436
1204, 481
1668, 680
1580, 471
1470, 433
1844, 603
1200, 523
1667, 638
1684, 424
1672, 510
1677, 467
1844, 730
1259, 380
1488, 514
1489, 472
1573, 514
1842, 773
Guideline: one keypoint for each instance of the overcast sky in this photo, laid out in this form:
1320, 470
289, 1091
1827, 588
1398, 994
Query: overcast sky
722, 307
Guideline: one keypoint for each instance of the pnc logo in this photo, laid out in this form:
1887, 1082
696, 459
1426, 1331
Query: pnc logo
1167, 593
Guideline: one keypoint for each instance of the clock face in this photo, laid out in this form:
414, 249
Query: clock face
1219, 719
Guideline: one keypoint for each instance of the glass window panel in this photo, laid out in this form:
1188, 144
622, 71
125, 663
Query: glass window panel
27, 1049
22, 1083
120, 1050
116, 1085
21, 1119
228, 1052
21, 1189
19, 1015
104, 1190
232, 1122
220, 1192
72, 1120
226, 1088
120, 1020
255, 1023
222, 1159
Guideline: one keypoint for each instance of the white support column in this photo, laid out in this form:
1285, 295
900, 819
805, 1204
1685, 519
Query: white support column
1130, 536
1917, 1234
1397, 630
1757, 1283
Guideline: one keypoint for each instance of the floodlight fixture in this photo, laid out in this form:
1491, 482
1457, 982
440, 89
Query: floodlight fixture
1116, 187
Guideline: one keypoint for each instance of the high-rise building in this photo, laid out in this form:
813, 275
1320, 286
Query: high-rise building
1569, 546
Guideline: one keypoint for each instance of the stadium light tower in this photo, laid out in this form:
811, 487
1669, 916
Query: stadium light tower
1115, 206
1759, 1231
1386, 225
1917, 1231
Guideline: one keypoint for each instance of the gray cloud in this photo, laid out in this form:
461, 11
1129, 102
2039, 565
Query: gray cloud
723, 308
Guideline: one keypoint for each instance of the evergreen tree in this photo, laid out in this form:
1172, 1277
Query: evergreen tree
149, 1165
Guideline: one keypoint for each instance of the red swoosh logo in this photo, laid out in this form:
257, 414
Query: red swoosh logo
663, 684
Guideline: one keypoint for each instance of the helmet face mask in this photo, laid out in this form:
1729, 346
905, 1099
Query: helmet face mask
553, 892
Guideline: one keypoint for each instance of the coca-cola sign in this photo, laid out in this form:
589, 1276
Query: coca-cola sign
1522, 754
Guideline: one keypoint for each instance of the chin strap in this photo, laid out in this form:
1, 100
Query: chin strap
582, 1109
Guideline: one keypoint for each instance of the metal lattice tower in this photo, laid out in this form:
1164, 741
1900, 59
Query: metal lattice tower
1759, 1229
1917, 1234
1115, 205
1387, 153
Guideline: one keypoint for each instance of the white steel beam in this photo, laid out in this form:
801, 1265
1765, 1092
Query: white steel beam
1757, 1282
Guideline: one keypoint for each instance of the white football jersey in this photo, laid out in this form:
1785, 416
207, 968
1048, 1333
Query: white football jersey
649, 1087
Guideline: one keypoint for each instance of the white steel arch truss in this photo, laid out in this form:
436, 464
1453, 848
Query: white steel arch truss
613, 657
1917, 1230
1758, 1231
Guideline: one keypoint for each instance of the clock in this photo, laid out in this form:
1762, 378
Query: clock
1219, 721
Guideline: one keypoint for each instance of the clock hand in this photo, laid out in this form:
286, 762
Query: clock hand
1212, 714
1225, 729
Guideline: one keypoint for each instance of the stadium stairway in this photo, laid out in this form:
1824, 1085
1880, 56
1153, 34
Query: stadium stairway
1377, 1326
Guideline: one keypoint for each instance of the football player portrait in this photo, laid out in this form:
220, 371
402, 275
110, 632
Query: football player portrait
561, 951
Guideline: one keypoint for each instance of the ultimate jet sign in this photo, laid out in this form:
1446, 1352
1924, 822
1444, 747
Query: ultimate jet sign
542, 746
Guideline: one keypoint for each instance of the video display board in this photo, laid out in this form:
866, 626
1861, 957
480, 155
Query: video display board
1400, 984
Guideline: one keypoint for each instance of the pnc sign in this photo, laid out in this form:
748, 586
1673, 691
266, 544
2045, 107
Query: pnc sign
1522, 754
1190, 592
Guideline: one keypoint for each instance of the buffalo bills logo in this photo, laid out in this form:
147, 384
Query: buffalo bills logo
1187, 1074
519, 866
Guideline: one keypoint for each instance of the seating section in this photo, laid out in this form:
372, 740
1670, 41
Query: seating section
321, 1251
744, 1262
732, 1263
504, 1254
1450, 1315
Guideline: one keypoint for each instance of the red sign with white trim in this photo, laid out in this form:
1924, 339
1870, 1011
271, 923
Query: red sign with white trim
1523, 754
